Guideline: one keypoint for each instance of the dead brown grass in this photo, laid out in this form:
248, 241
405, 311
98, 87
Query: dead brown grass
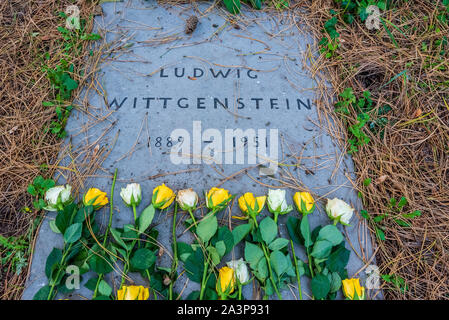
28, 30
411, 159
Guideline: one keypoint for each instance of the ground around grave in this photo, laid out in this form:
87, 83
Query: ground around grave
392, 110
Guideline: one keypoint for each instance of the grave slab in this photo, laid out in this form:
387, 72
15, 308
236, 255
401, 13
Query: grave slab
230, 104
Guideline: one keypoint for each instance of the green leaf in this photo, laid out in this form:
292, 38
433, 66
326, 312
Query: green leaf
321, 249
91, 284
335, 282
331, 234
207, 228
194, 265
101, 298
214, 255
402, 203
279, 262
143, 259
32, 190
73, 233
240, 232
104, 288
261, 271
257, 4
184, 251
53, 259
64, 217
221, 248
338, 259
100, 264
305, 232
145, 218
293, 229
320, 286
278, 244
194, 295
253, 254
268, 229
117, 237
226, 236
43, 293
233, 6
380, 234
53, 226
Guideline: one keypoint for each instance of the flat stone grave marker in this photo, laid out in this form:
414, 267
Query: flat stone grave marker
227, 105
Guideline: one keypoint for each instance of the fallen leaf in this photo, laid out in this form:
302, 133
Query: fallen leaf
381, 179
417, 113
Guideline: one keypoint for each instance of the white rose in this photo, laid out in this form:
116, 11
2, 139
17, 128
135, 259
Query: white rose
132, 194
240, 269
277, 202
57, 197
339, 210
187, 199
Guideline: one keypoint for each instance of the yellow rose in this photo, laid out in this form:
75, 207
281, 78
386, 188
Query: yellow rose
226, 281
304, 202
247, 204
353, 290
133, 293
163, 197
218, 198
96, 198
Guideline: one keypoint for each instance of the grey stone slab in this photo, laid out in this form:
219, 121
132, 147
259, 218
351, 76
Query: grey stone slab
160, 79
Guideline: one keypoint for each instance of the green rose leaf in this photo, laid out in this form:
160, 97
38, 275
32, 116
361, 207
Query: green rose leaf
104, 288
320, 286
278, 244
43, 293
257, 4
331, 234
233, 6
207, 228
338, 259
100, 264
335, 282
262, 269
253, 254
321, 249
214, 255
145, 218
91, 284
221, 248
293, 229
117, 236
240, 232
53, 227
52, 262
268, 229
73, 233
279, 262
305, 232
184, 251
143, 259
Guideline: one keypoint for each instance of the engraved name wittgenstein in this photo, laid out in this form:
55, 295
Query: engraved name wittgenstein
226, 146
212, 101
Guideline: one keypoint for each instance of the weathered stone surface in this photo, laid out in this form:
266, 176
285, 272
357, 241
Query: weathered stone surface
168, 80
